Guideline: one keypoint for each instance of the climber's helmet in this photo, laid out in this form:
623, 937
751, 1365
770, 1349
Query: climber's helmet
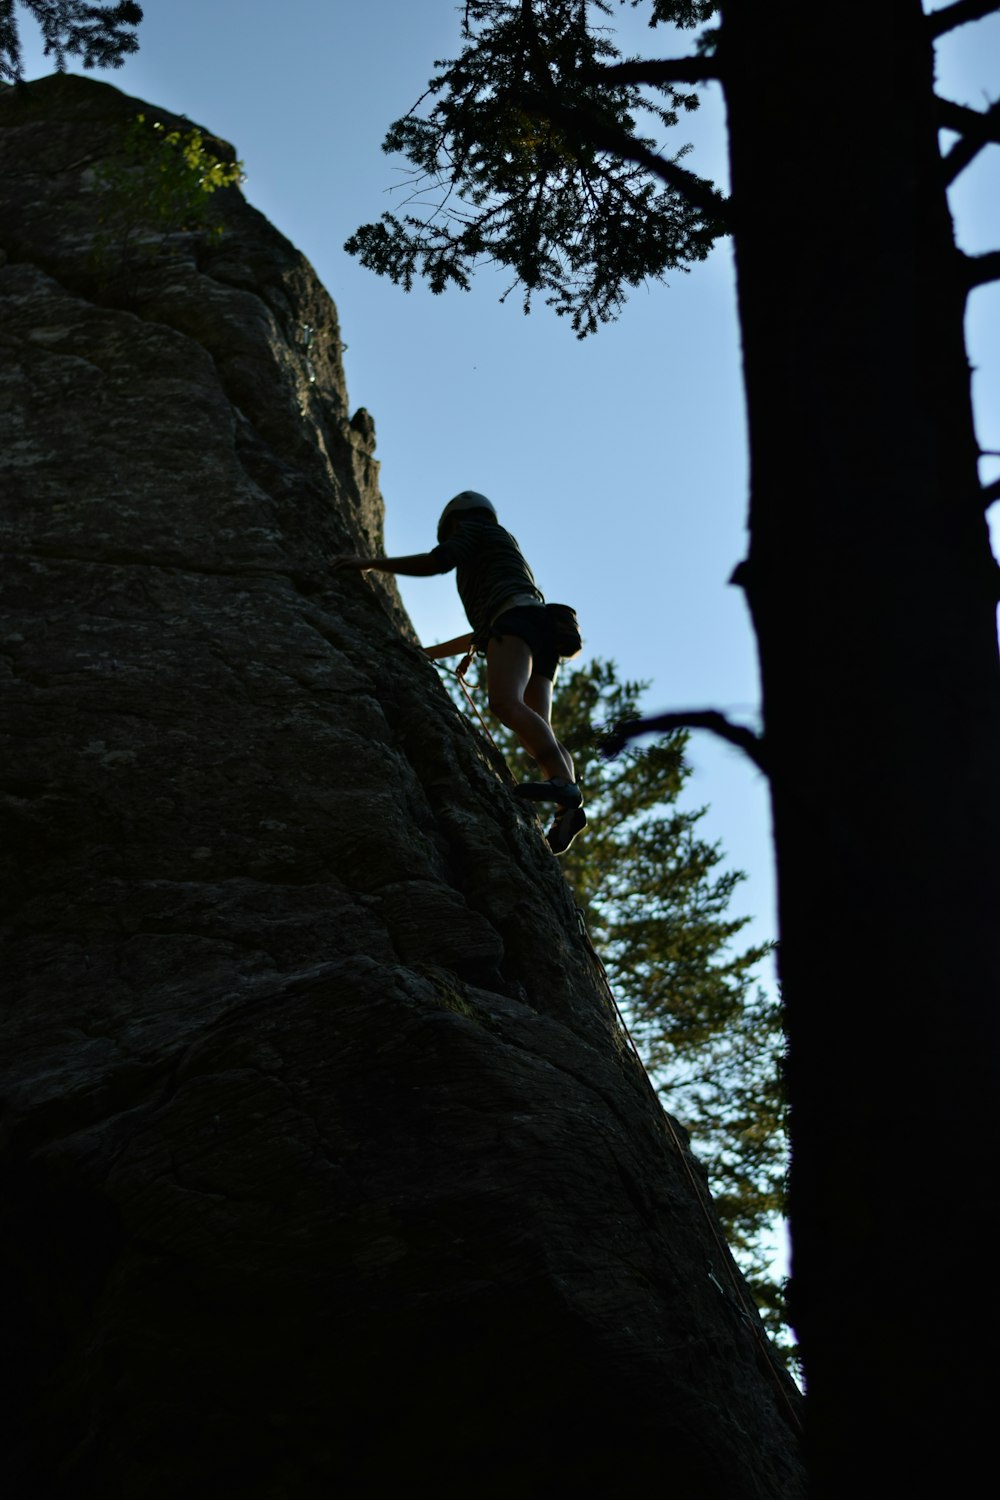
467, 500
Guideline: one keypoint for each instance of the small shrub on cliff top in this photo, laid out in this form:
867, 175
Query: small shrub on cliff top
160, 185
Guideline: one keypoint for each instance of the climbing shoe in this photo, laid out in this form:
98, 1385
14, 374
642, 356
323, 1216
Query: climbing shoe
566, 793
566, 826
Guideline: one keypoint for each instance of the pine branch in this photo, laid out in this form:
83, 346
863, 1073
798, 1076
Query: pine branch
665, 70
101, 34
966, 121
707, 718
962, 154
606, 136
980, 269
975, 127
960, 14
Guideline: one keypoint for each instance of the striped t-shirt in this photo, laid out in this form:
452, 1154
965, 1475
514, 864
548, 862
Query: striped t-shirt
491, 570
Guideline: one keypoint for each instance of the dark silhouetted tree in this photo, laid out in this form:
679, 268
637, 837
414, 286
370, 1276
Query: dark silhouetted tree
872, 589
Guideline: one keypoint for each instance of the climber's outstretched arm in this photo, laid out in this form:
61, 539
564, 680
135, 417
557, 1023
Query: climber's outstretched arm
462, 644
419, 565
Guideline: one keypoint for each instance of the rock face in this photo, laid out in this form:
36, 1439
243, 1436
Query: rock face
327, 1166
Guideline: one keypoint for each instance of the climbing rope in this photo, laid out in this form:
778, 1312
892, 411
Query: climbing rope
602, 971
459, 674
736, 1297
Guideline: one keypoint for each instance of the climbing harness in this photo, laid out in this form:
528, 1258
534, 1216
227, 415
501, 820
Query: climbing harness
734, 1297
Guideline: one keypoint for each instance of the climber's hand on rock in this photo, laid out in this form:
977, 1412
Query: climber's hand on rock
345, 560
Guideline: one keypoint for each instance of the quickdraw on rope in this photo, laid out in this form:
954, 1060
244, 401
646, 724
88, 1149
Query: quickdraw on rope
736, 1297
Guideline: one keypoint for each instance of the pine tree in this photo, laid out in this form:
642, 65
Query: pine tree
657, 907
872, 589
101, 35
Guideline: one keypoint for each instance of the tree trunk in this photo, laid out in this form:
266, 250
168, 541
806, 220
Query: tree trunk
873, 594
327, 1168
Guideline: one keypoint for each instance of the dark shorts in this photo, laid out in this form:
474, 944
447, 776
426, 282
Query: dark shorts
531, 623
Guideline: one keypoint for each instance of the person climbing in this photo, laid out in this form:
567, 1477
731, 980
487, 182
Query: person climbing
510, 624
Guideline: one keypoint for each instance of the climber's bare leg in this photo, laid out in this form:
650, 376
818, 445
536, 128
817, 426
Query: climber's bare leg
538, 695
508, 675
571, 820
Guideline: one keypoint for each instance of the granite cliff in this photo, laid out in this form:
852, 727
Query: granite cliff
326, 1165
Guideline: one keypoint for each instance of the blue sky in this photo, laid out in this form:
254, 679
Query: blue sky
619, 462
